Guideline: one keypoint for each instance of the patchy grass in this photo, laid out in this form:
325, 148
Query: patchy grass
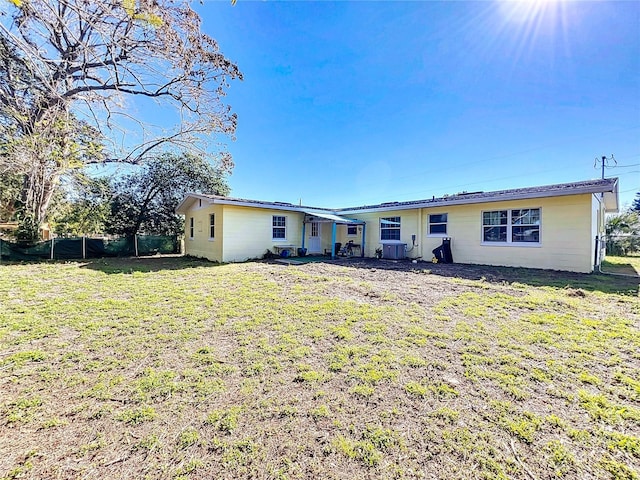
177, 369
625, 265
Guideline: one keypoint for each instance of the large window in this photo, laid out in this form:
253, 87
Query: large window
438, 224
212, 226
190, 227
525, 225
279, 227
352, 230
511, 226
390, 228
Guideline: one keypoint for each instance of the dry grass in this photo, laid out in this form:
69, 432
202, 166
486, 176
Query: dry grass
182, 369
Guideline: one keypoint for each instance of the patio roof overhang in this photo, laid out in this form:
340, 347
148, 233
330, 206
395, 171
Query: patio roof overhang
314, 216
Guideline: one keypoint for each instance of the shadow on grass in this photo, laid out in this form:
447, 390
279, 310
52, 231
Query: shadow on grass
529, 276
622, 285
153, 263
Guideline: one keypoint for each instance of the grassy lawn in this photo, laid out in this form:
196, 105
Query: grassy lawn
625, 265
177, 369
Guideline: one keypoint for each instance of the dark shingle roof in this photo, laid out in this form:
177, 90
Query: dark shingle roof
560, 189
574, 188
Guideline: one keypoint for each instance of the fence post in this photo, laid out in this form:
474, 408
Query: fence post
84, 247
52, 241
135, 243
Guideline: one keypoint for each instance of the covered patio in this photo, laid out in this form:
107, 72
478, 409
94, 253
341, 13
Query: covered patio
322, 218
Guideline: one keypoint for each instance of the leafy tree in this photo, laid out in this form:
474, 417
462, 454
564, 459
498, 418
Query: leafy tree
145, 201
623, 233
10, 186
635, 206
67, 68
83, 208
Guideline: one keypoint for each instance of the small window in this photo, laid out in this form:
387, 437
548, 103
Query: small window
212, 226
390, 228
279, 227
191, 225
494, 226
352, 230
438, 224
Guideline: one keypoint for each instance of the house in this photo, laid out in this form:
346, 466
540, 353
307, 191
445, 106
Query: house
552, 227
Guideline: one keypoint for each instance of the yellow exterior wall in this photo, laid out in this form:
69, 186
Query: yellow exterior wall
409, 225
201, 245
248, 232
568, 228
565, 235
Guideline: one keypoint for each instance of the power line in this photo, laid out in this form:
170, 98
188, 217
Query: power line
624, 166
603, 162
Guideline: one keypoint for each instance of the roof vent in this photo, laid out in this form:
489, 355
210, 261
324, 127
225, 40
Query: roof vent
461, 194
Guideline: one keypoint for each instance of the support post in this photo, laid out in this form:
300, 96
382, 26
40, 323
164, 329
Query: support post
333, 241
84, 247
135, 243
303, 232
364, 231
52, 241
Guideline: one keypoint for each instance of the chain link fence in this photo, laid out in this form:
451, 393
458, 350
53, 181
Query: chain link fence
85, 247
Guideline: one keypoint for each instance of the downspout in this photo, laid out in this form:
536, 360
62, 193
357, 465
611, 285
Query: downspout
333, 241
599, 227
419, 233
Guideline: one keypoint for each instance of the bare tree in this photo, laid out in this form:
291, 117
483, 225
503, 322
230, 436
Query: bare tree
68, 69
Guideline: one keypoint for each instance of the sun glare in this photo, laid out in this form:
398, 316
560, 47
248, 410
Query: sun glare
529, 11
526, 22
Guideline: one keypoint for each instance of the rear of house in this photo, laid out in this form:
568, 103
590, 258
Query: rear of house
551, 227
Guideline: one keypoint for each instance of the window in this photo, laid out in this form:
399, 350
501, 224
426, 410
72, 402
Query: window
525, 225
279, 227
314, 229
390, 228
212, 226
511, 226
438, 224
352, 230
191, 227
494, 226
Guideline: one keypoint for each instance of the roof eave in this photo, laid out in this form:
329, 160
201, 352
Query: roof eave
183, 206
490, 199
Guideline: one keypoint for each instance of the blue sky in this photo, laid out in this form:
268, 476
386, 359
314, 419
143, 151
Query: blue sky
352, 103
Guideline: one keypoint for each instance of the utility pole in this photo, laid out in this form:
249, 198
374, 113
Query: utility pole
600, 238
605, 162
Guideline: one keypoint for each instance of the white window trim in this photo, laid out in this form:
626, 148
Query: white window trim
509, 225
437, 235
286, 229
399, 228
212, 239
